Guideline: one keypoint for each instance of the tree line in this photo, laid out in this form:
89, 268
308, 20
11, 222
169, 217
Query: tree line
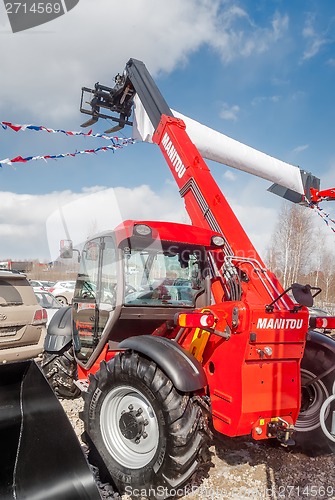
302, 250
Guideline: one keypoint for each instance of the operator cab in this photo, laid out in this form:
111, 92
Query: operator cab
136, 278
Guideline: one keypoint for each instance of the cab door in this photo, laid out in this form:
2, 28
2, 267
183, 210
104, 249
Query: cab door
95, 295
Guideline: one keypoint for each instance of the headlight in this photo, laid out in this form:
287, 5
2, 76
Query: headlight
218, 241
142, 230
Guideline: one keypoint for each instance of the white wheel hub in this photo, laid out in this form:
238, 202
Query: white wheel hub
129, 427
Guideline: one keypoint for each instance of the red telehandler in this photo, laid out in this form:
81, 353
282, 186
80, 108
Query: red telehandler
178, 330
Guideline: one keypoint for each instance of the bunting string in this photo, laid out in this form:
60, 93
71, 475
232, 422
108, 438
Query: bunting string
41, 128
117, 142
323, 214
113, 147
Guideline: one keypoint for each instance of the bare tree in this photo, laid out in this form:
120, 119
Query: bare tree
326, 275
290, 251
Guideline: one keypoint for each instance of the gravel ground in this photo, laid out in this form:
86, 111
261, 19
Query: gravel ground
245, 469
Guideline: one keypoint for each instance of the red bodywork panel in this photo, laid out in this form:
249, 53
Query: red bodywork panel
255, 375
326, 194
167, 231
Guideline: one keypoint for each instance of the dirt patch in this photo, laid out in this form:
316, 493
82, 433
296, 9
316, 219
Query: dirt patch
244, 469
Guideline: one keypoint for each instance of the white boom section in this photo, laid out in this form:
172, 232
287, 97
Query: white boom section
220, 148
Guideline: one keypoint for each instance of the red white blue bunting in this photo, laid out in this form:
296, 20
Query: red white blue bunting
17, 159
118, 142
41, 128
323, 214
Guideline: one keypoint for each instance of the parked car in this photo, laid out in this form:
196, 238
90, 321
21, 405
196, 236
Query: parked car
41, 284
49, 303
37, 285
47, 284
63, 291
22, 319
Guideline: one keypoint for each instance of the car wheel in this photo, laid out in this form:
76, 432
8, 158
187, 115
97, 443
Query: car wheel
62, 300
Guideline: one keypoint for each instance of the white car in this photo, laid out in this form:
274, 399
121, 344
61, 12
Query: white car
63, 291
49, 303
37, 285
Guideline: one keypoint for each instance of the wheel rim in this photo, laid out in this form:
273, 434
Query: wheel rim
62, 300
129, 427
312, 398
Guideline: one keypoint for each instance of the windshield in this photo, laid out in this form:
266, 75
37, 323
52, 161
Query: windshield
163, 277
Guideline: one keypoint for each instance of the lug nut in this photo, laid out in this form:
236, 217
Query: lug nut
137, 441
130, 407
144, 435
145, 422
139, 411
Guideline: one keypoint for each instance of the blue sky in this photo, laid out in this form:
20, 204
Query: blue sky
261, 72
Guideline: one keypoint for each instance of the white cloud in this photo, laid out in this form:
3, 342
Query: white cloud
229, 112
264, 99
314, 48
229, 175
299, 149
43, 69
236, 35
31, 225
315, 40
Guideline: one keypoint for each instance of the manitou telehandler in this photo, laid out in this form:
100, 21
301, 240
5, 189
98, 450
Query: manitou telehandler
178, 330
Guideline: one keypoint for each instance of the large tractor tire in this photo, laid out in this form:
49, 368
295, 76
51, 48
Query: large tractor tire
60, 368
149, 436
309, 435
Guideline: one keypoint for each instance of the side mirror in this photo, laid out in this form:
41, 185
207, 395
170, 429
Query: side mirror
66, 249
303, 294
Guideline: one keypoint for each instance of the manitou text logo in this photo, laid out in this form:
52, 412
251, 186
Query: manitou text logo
279, 323
28, 14
173, 156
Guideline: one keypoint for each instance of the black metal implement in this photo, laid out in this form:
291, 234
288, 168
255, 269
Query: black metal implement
41, 457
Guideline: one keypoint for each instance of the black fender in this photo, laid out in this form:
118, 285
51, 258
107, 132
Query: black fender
183, 369
328, 343
59, 333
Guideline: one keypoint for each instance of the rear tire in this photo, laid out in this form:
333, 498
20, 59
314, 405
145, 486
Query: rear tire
149, 436
309, 435
60, 369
